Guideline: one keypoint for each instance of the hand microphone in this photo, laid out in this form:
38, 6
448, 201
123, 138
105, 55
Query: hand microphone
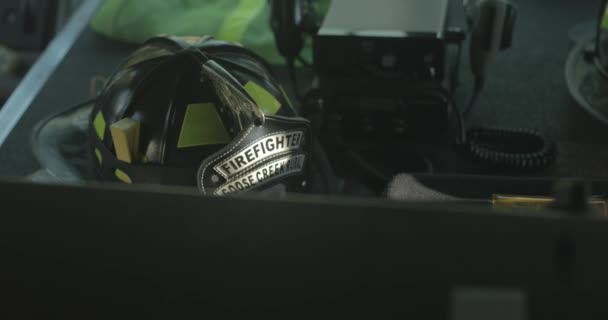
491, 23
286, 20
290, 20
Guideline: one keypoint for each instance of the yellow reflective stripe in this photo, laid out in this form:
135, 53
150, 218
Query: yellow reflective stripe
263, 98
100, 125
202, 126
98, 155
286, 97
605, 19
122, 176
237, 22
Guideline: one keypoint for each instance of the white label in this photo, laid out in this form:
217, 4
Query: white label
273, 170
260, 150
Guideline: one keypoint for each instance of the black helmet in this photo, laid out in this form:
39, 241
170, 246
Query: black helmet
198, 111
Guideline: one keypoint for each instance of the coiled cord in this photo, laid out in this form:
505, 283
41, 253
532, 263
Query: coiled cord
514, 149
500, 148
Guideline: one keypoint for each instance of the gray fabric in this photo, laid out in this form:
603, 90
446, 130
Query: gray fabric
60, 146
407, 187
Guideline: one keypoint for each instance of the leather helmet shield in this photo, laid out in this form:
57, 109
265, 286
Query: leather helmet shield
274, 152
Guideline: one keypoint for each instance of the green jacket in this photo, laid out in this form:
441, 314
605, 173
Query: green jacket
242, 21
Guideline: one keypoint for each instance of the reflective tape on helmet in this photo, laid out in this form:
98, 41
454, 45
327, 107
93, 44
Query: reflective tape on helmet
122, 176
98, 155
286, 96
202, 125
100, 125
266, 101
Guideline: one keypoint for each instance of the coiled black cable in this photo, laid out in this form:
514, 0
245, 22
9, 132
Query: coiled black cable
511, 149
499, 148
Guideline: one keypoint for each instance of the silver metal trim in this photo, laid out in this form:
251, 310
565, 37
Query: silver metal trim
38, 75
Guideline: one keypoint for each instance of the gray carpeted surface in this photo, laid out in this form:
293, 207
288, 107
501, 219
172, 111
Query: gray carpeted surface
527, 89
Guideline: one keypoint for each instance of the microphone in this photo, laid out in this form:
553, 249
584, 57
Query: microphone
491, 23
286, 19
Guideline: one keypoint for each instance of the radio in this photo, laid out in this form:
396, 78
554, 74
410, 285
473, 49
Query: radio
385, 75
378, 64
